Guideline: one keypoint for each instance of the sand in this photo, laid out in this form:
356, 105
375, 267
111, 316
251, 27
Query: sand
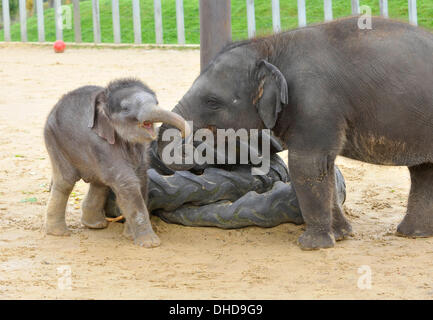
192, 263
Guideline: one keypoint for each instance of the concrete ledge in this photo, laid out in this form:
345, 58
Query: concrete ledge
106, 45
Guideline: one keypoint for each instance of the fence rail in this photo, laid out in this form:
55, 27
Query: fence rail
6, 20
116, 21
58, 19
23, 20
77, 20
137, 21
251, 21
158, 21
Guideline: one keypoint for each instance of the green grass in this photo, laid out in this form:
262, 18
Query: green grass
398, 9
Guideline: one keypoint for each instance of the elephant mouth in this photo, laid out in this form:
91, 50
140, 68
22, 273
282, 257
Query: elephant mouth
149, 129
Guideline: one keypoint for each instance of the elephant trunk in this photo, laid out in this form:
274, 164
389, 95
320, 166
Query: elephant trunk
162, 144
171, 118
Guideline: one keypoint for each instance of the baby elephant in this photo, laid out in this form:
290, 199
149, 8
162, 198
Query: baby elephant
101, 135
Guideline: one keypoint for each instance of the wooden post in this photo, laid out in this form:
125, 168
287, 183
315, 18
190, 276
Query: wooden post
158, 21
23, 20
355, 7
40, 16
6, 20
96, 22
384, 8
116, 21
77, 21
180, 22
215, 29
413, 16
302, 15
58, 19
251, 19
327, 6
276, 21
137, 21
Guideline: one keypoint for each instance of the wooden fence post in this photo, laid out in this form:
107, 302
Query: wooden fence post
77, 21
327, 7
23, 20
413, 16
355, 7
302, 15
384, 8
6, 20
215, 29
137, 21
251, 19
96, 22
276, 20
40, 17
116, 21
180, 22
158, 21
58, 19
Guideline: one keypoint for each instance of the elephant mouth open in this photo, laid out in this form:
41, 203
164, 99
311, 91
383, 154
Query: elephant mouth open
149, 128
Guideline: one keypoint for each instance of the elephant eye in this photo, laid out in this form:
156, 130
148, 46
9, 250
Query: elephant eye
213, 102
124, 107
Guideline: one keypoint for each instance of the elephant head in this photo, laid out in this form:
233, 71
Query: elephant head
238, 89
130, 109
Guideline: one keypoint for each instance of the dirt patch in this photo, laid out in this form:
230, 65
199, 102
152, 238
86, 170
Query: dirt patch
192, 263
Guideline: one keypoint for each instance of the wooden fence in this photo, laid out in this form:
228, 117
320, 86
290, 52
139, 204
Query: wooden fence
59, 18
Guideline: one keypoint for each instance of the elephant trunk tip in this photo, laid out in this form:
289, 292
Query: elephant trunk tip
171, 118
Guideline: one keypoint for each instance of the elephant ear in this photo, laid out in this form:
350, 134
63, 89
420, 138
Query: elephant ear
98, 119
271, 94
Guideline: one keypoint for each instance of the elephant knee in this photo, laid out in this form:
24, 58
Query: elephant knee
62, 188
128, 193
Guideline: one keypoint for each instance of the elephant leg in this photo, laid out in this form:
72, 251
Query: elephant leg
55, 223
418, 221
142, 176
132, 205
313, 176
127, 232
340, 225
93, 215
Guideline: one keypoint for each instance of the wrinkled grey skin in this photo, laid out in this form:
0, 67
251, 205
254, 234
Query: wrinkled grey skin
99, 135
327, 90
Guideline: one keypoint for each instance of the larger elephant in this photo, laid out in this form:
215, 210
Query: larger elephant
327, 90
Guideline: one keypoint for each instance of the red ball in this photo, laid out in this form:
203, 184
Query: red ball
59, 46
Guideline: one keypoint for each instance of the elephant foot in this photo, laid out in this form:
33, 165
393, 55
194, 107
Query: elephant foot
94, 221
57, 229
93, 214
413, 228
341, 228
341, 233
313, 240
418, 222
147, 239
95, 225
127, 233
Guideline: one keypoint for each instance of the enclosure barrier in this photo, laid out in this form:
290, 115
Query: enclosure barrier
59, 18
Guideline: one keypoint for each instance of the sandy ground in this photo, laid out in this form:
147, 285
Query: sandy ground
192, 263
